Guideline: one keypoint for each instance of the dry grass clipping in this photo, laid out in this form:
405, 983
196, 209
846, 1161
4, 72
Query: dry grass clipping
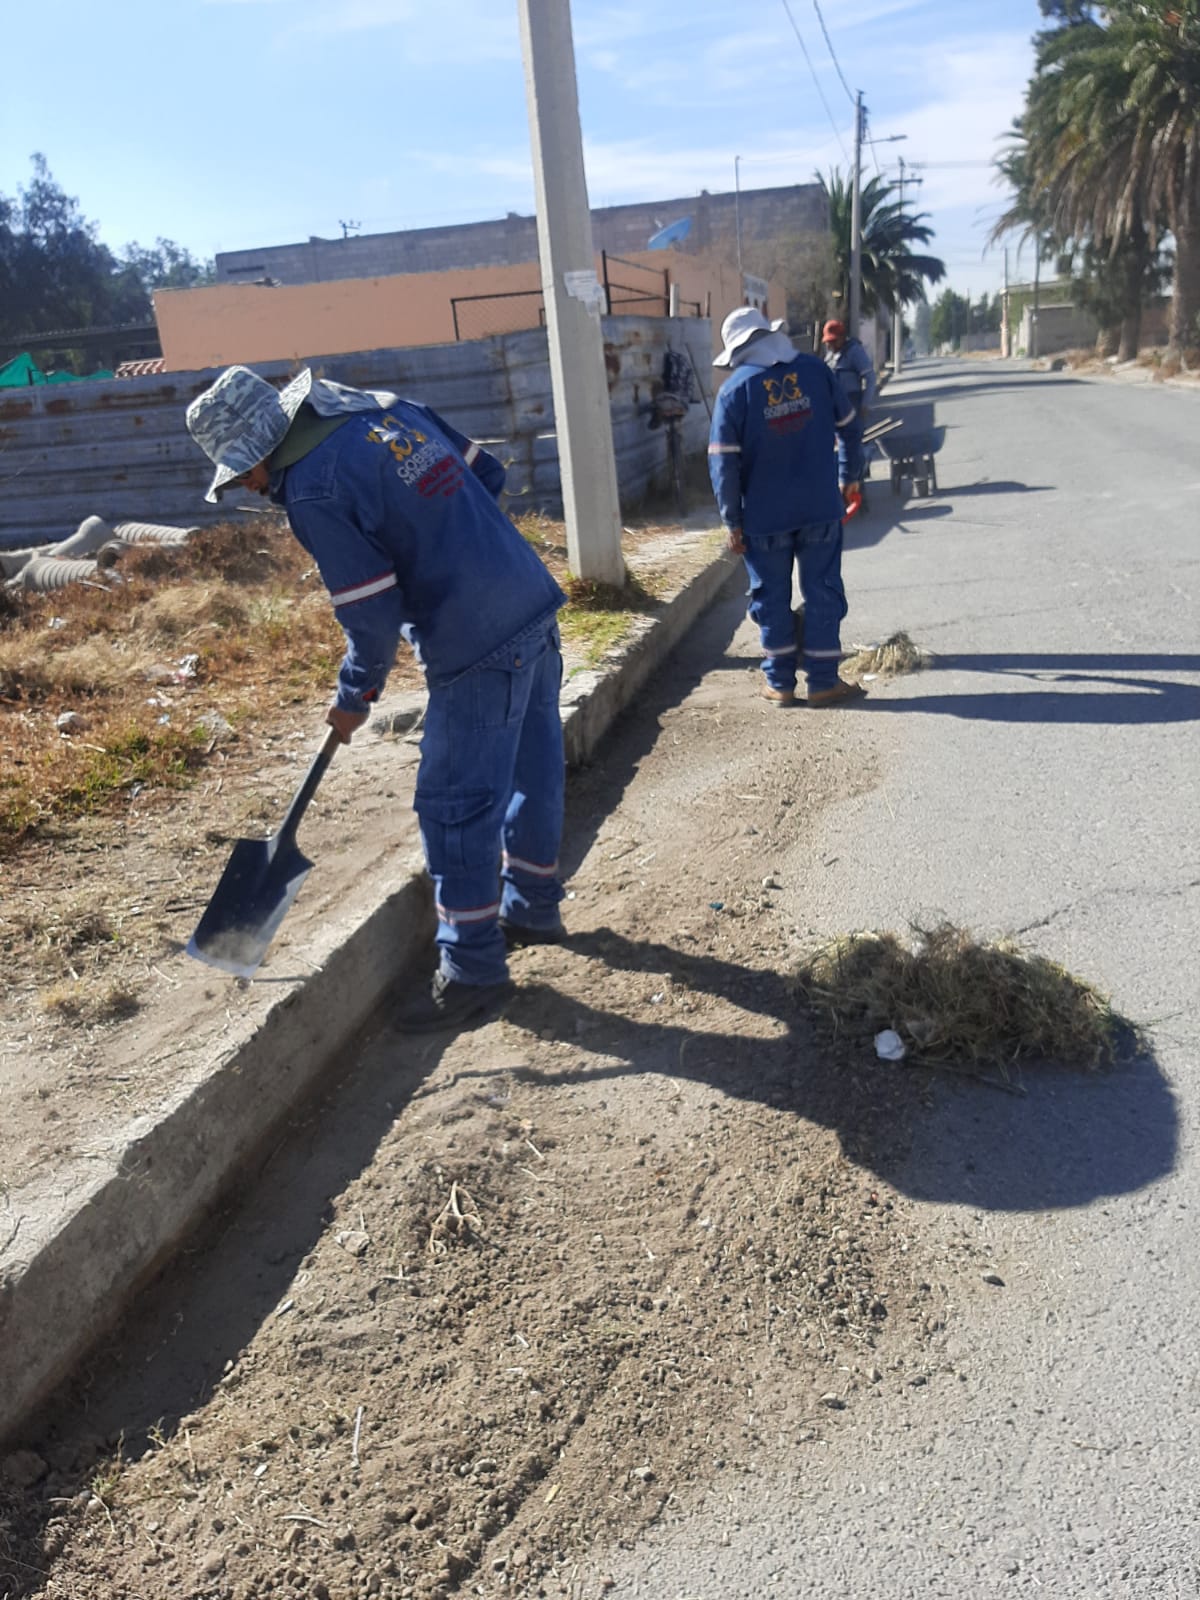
896, 655
959, 1003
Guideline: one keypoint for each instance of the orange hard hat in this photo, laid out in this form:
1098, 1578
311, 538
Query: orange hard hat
833, 330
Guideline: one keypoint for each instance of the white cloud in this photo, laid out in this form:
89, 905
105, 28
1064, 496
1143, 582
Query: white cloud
478, 30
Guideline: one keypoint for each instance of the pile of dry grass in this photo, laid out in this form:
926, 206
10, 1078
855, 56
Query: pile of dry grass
896, 655
958, 1002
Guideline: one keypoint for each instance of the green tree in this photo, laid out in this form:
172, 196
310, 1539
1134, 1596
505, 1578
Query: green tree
948, 320
54, 272
1111, 147
893, 274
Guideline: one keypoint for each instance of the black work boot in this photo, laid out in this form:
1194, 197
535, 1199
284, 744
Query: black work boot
449, 1004
516, 935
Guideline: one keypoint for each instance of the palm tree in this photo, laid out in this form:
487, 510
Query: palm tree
1116, 277
892, 275
1112, 142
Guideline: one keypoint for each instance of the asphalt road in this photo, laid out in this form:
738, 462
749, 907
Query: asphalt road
1042, 780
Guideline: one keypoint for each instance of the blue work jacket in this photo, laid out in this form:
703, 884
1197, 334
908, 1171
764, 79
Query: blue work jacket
398, 510
771, 448
855, 373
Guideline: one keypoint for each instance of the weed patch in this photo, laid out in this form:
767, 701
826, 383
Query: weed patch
959, 1003
896, 655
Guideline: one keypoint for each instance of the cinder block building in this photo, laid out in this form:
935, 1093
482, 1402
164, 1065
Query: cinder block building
510, 241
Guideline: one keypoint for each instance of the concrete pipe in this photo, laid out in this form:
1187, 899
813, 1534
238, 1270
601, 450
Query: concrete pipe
91, 533
45, 573
151, 533
12, 561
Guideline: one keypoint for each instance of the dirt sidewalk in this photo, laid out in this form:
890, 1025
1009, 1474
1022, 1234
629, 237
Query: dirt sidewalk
505, 1295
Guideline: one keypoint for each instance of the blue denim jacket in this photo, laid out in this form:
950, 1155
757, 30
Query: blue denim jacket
855, 373
398, 510
771, 449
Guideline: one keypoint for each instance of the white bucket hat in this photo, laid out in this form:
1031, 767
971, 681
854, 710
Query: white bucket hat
739, 328
240, 419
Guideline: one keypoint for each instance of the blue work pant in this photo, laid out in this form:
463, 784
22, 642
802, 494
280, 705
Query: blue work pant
851, 452
490, 803
817, 551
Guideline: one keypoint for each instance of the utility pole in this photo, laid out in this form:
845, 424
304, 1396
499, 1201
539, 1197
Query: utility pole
1005, 331
1037, 268
856, 221
737, 219
574, 299
898, 335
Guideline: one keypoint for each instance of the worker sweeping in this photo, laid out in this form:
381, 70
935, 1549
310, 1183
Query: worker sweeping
773, 468
399, 512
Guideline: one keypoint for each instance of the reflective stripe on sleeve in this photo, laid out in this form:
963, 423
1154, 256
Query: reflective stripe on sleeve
724, 449
363, 591
470, 454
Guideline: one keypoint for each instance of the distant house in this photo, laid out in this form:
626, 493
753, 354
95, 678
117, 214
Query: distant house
714, 221
248, 322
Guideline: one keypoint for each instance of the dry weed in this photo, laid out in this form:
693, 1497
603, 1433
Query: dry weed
896, 655
959, 1002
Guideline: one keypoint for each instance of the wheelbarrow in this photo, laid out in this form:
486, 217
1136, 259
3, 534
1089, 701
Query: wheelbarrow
908, 440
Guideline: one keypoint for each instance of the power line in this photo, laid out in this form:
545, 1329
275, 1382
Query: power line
815, 79
832, 57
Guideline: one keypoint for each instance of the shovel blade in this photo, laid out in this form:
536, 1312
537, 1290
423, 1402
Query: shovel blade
258, 885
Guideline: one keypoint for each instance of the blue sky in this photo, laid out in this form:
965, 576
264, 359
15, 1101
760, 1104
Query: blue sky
224, 124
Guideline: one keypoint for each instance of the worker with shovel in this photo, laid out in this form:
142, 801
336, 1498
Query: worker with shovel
399, 512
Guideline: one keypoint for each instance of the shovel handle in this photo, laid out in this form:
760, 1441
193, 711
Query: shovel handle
308, 788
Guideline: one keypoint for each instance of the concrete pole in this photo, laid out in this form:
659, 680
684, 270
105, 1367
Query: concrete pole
737, 223
856, 221
573, 297
1005, 332
898, 335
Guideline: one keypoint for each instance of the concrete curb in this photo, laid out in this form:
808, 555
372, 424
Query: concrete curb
179, 1162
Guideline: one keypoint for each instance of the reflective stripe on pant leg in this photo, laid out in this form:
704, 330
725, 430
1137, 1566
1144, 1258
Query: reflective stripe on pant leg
462, 790
532, 830
769, 564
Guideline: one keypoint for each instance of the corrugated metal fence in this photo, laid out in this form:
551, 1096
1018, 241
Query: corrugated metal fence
119, 449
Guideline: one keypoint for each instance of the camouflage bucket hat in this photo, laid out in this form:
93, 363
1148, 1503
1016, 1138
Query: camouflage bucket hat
240, 419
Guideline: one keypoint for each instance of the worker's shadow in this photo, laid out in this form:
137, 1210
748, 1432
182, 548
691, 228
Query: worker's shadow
1098, 689
1053, 1139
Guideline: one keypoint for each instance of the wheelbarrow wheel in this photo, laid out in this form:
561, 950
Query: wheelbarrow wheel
921, 485
897, 477
933, 483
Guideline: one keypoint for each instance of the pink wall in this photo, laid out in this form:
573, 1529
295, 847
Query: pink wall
229, 323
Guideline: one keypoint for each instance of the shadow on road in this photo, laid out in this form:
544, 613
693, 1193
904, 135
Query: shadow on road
1102, 690
948, 389
1069, 1139
997, 486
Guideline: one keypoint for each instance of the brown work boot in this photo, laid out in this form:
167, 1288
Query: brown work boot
779, 697
841, 694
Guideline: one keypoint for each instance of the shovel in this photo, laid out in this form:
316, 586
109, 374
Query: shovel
259, 883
